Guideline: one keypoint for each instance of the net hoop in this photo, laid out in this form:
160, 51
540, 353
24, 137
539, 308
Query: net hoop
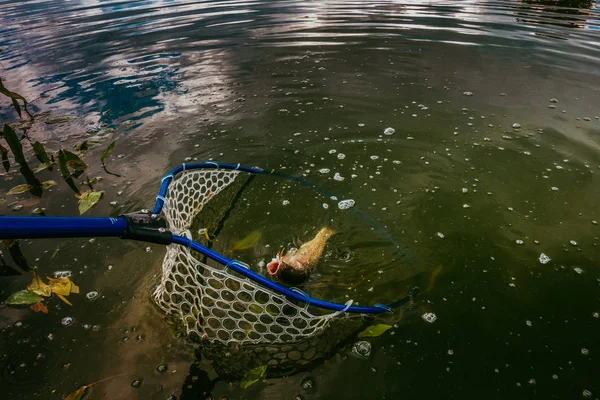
220, 299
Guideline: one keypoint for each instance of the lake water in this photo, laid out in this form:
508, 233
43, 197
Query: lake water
494, 161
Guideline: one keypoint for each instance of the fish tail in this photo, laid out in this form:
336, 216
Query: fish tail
327, 231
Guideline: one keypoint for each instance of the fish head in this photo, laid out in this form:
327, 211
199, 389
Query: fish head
274, 266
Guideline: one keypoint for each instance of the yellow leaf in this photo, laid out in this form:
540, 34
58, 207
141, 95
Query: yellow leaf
78, 394
248, 242
60, 296
37, 286
88, 199
20, 189
60, 285
74, 288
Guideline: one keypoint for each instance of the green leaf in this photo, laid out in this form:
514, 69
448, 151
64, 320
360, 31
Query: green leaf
23, 297
17, 107
14, 143
19, 189
48, 184
88, 199
107, 152
253, 376
374, 331
60, 120
250, 241
43, 166
15, 97
5, 162
40, 152
68, 161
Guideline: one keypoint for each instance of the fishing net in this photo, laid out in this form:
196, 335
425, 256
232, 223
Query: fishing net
214, 302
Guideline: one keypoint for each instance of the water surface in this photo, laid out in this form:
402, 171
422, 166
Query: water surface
494, 160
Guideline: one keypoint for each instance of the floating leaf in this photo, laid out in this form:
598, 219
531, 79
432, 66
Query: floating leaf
248, 242
107, 152
88, 144
39, 307
14, 143
374, 331
24, 297
30, 202
253, 376
60, 296
38, 286
20, 189
68, 161
43, 166
78, 394
60, 119
88, 199
38, 211
106, 131
48, 184
60, 286
5, 162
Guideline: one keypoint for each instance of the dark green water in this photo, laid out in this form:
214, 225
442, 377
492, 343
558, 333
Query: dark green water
291, 85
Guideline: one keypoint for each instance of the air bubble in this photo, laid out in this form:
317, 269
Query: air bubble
389, 131
324, 170
92, 295
468, 93
544, 259
440, 235
346, 204
361, 349
285, 202
66, 321
338, 177
429, 317
516, 125
341, 156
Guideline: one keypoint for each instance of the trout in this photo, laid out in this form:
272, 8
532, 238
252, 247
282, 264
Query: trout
295, 267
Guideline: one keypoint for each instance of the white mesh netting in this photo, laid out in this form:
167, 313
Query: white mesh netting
213, 302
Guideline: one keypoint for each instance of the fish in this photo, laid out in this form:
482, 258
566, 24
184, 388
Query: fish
296, 266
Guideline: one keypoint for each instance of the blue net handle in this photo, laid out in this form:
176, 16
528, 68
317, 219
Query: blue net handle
238, 267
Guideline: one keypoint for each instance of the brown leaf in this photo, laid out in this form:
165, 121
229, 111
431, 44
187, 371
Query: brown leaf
37, 307
78, 394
